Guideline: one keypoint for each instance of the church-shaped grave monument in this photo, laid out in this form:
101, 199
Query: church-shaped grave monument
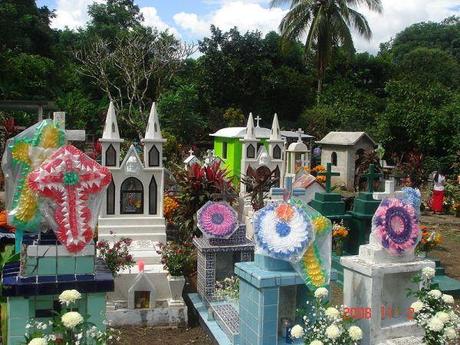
133, 208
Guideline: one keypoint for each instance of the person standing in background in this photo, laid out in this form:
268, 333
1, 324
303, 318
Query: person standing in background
437, 200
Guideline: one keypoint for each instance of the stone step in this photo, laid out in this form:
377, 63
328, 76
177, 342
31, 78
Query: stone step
150, 257
145, 236
134, 228
153, 268
440, 271
119, 221
448, 285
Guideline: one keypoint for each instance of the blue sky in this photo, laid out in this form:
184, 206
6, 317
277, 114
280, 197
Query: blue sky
190, 19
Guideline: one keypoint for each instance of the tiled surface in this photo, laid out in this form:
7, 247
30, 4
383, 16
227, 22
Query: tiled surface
15, 285
208, 251
208, 324
258, 315
228, 319
250, 272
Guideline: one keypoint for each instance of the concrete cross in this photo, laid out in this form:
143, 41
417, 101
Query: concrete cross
258, 118
300, 132
70, 134
371, 176
328, 173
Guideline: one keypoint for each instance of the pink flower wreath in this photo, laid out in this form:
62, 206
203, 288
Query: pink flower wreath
395, 225
217, 219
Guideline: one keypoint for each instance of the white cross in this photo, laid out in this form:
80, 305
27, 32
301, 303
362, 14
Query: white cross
300, 132
258, 118
70, 134
190, 152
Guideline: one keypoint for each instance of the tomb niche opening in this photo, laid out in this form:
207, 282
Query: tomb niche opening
132, 196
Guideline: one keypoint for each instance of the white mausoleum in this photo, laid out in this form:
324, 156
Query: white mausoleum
342, 149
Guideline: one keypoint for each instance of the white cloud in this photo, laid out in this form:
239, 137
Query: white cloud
72, 13
398, 15
151, 18
246, 15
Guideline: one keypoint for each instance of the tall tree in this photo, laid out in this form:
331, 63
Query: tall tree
327, 23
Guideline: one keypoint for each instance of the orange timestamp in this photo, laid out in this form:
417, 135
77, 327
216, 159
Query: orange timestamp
386, 312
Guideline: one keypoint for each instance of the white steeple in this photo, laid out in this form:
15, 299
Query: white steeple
275, 133
111, 125
153, 131
250, 133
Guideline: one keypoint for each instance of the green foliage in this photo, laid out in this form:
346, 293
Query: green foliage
84, 112
419, 118
328, 24
444, 36
426, 66
407, 97
26, 76
179, 113
114, 16
25, 28
253, 74
234, 117
178, 259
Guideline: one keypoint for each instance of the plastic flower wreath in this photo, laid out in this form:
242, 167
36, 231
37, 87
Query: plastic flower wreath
283, 231
331, 325
434, 311
217, 219
314, 266
395, 225
413, 196
27, 151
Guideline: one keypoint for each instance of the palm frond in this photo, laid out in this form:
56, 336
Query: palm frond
296, 21
341, 32
373, 5
359, 22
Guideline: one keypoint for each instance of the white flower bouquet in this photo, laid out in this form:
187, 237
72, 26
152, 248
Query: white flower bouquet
434, 311
327, 325
67, 327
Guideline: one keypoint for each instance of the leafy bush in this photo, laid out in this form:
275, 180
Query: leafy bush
196, 185
116, 256
178, 259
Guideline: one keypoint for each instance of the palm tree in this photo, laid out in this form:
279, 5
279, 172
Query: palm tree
326, 24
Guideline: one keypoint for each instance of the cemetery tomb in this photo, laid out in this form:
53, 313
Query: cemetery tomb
379, 276
133, 209
54, 241
342, 149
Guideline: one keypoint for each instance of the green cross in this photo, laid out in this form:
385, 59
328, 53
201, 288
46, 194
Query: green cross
371, 176
328, 173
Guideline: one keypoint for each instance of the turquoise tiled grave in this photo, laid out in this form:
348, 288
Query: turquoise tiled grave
46, 266
270, 289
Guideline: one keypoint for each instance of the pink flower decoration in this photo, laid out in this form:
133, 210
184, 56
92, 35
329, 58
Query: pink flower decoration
217, 220
395, 225
68, 177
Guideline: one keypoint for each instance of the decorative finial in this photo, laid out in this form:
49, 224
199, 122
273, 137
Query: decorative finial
300, 132
258, 118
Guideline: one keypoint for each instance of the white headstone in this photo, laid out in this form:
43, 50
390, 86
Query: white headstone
375, 285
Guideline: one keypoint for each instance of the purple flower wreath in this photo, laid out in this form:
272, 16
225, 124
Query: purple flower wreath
217, 220
395, 225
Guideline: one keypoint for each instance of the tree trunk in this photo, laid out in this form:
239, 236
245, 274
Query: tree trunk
320, 86
320, 76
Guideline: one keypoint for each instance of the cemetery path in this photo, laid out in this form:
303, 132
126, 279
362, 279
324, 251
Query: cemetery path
449, 250
163, 336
